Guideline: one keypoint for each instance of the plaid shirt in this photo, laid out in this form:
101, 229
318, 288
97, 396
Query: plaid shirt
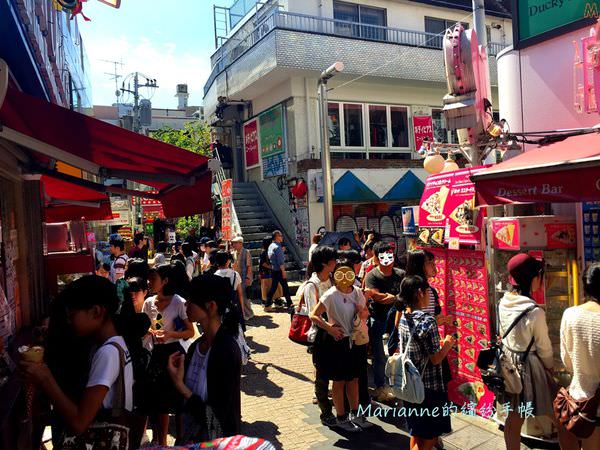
425, 342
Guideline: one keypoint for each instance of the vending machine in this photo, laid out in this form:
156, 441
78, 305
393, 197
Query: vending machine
553, 240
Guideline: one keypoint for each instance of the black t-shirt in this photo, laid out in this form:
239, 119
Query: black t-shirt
385, 285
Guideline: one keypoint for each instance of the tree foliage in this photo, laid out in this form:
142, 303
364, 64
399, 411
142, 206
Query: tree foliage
195, 137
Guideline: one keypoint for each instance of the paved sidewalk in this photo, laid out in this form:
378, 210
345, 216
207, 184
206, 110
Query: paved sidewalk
277, 391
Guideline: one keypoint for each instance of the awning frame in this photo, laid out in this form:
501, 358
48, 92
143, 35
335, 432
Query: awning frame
558, 166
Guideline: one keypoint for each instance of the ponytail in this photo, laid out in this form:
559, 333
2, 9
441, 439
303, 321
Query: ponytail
409, 289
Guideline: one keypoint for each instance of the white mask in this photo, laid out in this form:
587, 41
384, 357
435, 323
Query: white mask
386, 259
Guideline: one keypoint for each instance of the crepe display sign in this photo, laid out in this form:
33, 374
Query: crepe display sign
505, 234
561, 235
434, 199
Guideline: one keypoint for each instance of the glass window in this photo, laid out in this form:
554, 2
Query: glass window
353, 120
372, 16
395, 155
347, 12
439, 27
440, 132
348, 155
378, 127
358, 14
334, 125
399, 123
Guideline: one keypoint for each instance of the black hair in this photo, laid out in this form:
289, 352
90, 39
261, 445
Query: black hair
161, 247
139, 237
177, 246
344, 263
350, 255
207, 288
415, 263
104, 266
186, 249
136, 284
222, 257
344, 241
266, 242
120, 243
176, 284
591, 282
211, 244
369, 245
137, 267
381, 247
178, 257
409, 288
276, 233
321, 256
90, 291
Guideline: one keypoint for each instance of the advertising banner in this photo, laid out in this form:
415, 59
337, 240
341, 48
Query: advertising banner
422, 128
561, 235
433, 201
226, 194
505, 233
272, 140
251, 143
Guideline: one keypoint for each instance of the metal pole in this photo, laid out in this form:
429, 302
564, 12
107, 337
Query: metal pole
136, 105
325, 156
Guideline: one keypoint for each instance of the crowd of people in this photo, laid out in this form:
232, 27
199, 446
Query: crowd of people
164, 338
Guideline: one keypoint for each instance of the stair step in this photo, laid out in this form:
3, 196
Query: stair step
253, 215
246, 202
239, 209
253, 222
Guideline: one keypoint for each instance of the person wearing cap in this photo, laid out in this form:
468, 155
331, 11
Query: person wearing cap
526, 275
242, 264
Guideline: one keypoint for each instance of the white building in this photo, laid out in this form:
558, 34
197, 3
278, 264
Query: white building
394, 71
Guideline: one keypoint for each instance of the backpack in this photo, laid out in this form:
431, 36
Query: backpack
498, 371
404, 378
240, 338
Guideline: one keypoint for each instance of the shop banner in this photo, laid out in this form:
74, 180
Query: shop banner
422, 128
272, 141
251, 143
505, 234
433, 201
561, 235
226, 194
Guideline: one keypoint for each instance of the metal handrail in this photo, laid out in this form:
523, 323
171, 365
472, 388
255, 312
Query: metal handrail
238, 44
219, 178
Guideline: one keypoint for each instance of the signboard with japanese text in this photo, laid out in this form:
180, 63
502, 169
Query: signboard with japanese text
226, 195
251, 139
422, 128
272, 139
433, 201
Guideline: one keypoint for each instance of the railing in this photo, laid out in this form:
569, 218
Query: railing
236, 46
220, 176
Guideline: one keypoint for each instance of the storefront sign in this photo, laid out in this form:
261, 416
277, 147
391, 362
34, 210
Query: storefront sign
561, 235
272, 139
226, 194
251, 143
422, 128
465, 221
505, 234
433, 202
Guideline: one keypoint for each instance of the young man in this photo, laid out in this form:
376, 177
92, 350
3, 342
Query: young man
344, 244
119, 262
382, 285
243, 265
278, 275
140, 247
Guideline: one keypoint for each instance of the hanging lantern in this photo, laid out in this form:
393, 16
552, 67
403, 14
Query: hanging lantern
434, 163
450, 165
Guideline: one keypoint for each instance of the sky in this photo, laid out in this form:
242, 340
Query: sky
171, 43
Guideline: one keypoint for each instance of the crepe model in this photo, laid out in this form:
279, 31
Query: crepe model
424, 236
483, 343
481, 328
438, 236
470, 339
566, 236
470, 352
436, 201
506, 233
469, 326
465, 213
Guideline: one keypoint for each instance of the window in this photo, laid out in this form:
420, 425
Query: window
399, 124
334, 125
440, 132
438, 27
366, 21
353, 121
378, 128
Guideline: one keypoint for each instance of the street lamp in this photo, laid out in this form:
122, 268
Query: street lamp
327, 74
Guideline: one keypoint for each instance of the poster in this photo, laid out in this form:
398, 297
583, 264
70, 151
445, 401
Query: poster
272, 140
505, 234
561, 235
410, 220
251, 143
433, 201
591, 232
422, 128
275, 166
226, 194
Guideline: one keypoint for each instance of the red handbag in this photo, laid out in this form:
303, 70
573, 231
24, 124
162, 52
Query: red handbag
301, 323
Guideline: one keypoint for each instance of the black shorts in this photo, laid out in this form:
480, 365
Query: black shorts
338, 361
433, 422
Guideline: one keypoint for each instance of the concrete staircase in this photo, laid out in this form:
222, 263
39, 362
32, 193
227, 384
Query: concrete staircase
257, 222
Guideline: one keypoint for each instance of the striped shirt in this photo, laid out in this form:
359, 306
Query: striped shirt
430, 309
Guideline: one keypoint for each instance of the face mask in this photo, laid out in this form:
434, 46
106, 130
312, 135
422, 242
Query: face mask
386, 259
344, 277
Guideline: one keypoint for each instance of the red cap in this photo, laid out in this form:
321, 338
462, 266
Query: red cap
523, 268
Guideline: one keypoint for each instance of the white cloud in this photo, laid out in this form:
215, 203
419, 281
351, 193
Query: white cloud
159, 60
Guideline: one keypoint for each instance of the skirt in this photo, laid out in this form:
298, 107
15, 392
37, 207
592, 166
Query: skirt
336, 360
539, 390
265, 286
428, 423
161, 396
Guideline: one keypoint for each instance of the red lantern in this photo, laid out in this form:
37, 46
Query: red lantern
300, 189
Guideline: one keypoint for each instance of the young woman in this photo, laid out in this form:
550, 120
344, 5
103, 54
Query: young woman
526, 277
208, 377
223, 261
170, 323
419, 331
91, 304
341, 360
190, 263
580, 347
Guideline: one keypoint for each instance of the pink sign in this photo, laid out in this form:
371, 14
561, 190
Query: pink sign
251, 143
506, 234
433, 201
423, 128
226, 194
540, 295
561, 235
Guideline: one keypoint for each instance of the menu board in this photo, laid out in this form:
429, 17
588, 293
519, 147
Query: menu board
591, 232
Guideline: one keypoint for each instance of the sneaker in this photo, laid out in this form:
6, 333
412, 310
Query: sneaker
315, 401
279, 302
329, 420
361, 421
346, 424
268, 309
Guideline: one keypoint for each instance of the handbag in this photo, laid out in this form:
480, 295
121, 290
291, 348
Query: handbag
577, 416
498, 371
112, 428
301, 324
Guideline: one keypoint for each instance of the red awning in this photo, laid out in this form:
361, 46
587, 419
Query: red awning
563, 172
67, 201
108, 151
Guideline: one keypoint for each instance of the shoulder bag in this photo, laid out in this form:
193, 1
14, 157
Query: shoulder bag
301, 323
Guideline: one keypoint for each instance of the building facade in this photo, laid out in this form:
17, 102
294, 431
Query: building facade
264, 83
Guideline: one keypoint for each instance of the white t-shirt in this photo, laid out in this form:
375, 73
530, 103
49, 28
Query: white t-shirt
195, 378
169, 318
234, 278
341, 308
105, 370
117, 267
310, 297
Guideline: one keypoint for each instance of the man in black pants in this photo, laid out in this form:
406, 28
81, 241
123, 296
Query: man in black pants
278, 275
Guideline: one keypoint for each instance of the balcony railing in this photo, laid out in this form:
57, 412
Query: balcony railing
236, 46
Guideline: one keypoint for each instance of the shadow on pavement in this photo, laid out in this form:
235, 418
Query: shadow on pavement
373, 438
255, 346
255, 382
262, 321
290, 373
263, 429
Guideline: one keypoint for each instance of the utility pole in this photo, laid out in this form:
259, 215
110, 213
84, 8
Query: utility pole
150, 83
331, 71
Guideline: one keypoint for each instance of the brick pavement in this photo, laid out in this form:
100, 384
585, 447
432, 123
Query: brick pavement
277, 391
